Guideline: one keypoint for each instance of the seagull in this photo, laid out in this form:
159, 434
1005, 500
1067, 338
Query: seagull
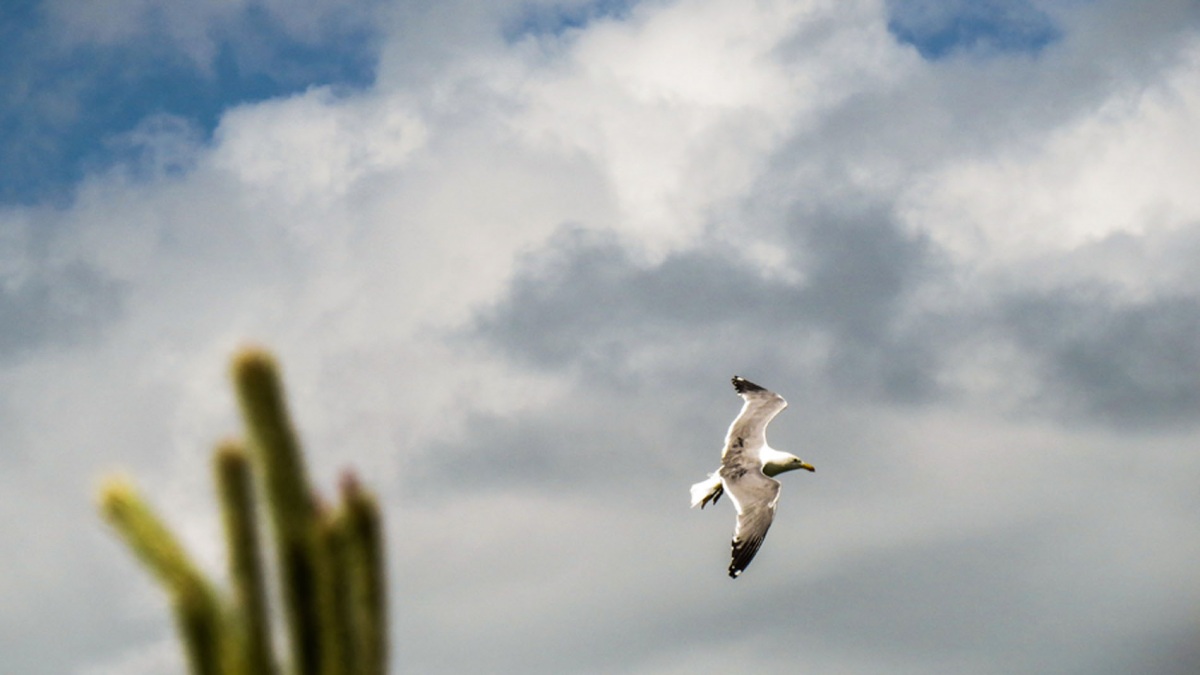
747, 464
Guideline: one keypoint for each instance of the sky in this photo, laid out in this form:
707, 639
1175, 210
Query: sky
509, 255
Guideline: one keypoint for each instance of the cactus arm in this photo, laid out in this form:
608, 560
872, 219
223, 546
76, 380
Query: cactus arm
290, 502
197, 608
236, 492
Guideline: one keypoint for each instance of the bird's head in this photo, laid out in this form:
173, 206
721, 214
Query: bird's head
785, 461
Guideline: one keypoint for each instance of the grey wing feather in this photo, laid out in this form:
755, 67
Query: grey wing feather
755, 496
748, 432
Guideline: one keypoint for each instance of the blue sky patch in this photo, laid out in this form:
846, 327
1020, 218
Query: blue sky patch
555, 19
941, 28
62, 106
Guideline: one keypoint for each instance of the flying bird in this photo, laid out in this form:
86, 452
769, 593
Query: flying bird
747, 467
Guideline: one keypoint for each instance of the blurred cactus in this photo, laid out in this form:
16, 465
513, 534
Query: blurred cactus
330, 561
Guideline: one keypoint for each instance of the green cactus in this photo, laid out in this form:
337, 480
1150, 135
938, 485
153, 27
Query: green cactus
330, 561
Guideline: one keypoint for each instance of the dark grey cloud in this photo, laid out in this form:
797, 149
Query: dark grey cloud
1131, 363
584, 302
56, 306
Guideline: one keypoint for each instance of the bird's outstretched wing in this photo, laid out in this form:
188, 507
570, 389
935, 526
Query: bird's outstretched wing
754, 495
748, 433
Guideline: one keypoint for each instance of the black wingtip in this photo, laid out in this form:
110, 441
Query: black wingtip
742, 385
743, 554
736, 568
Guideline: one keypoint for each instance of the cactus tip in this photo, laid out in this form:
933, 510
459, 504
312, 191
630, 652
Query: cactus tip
252, 357
114, 489
350, 484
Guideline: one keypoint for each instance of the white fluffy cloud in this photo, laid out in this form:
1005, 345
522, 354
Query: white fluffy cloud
1121, 166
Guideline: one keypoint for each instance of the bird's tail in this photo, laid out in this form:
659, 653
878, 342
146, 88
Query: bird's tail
707, 490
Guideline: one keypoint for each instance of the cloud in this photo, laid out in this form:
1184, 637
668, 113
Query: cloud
585, 302
510, 274
48, 300
1127, 363
56, 308
1112, 170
